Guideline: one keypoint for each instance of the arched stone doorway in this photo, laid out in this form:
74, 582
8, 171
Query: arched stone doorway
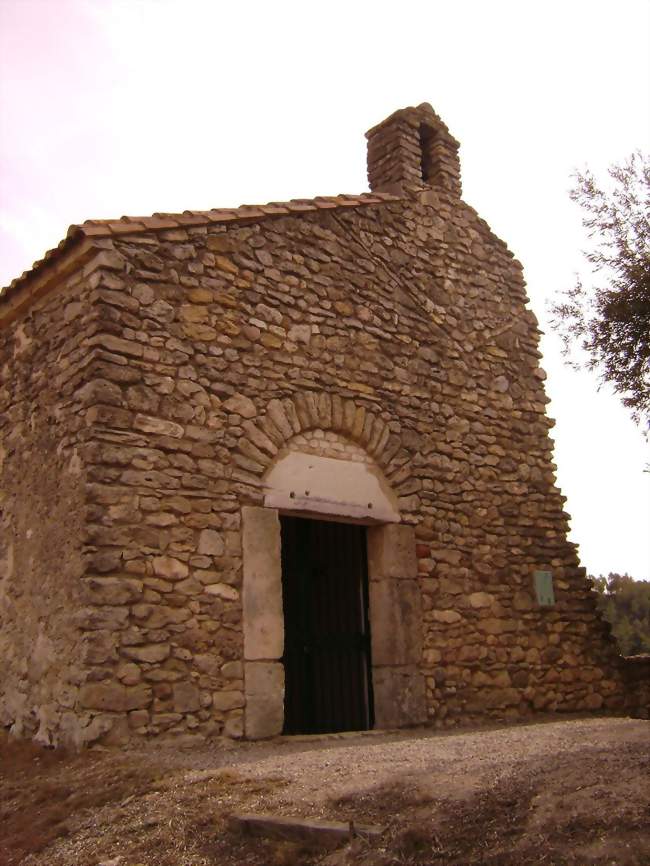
320, 476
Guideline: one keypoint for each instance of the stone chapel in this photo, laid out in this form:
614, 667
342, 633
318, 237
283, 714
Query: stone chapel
287, 469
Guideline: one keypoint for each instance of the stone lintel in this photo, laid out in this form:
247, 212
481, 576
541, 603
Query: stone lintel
324, 485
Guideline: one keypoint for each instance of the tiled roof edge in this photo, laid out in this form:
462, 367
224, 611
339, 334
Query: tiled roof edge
68, 257
92, 229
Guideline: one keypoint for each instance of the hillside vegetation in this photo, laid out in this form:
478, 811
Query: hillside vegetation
625, 603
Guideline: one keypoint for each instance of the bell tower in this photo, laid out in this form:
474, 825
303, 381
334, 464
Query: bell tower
413, 147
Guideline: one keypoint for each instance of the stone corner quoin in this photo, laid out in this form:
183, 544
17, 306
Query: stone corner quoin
149, 393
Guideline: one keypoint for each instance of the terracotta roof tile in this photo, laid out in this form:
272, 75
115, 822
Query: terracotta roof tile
126, 226
162, 221
89, 230
276, 208
300, 207
221, 216
187, 218
326, 202
158, 221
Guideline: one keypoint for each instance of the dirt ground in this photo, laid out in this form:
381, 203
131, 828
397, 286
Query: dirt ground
567, 792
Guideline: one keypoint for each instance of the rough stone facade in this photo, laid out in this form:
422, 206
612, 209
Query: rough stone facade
154, 373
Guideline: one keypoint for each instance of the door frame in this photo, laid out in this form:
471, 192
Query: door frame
331, 682
395, 614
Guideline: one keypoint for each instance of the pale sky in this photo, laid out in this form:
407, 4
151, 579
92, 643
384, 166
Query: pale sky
111, 108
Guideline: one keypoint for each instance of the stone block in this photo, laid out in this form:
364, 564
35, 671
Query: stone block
207, 663
211, 543
233, 670
396, 622
278, 416
98, 730
520, 679
102, 618
501, 679
448, 617
226, 264
497, 626
400, 696
189, 586
391, 551
150, 653
262, 584
111, 590
103, 696
160, 615
480, 599
227, 700
431, 657
163, 721
324, 410
450, 557
128, 673
219, 243
187, 698
98, 647
522, 601
552, 655
234, 726
312, 832
500, 697
222, 590
264, 699
196, 331
259, 438
170, 568
300, 334
143, 293
159, 426
495, 699
138, 718
138, 697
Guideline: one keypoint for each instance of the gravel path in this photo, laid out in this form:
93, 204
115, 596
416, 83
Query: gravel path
576, 790
325, 769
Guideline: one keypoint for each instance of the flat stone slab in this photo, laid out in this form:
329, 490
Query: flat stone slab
312, 830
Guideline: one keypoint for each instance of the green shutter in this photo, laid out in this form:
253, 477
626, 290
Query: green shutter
544, 588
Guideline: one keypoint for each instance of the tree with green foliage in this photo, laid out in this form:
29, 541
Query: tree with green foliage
610, 319
625, 604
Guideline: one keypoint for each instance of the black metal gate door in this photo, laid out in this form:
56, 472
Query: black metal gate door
327, 640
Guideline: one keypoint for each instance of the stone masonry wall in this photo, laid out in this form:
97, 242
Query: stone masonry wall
410, 312
42, 514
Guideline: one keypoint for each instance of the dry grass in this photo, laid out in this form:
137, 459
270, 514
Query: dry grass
43, 793
592, 809
59, 809
291, 854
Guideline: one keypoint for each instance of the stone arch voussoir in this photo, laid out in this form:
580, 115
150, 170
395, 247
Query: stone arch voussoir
264, 438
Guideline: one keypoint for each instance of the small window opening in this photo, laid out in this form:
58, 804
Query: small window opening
427, 139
